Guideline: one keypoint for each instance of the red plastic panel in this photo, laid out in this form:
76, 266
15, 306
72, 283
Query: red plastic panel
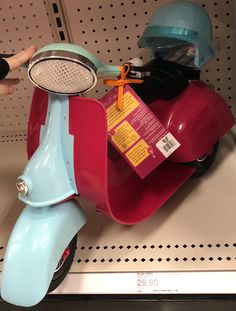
197, 118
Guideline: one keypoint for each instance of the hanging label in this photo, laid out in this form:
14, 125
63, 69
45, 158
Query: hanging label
137, 133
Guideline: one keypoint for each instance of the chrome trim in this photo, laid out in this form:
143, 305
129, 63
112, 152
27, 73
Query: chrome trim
60, 264
63, 55
138, 74
21, 186
203, 158
75, 57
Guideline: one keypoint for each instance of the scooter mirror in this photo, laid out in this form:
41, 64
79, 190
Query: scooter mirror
67, 69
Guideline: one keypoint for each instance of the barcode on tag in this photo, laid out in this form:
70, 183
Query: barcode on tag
167, 145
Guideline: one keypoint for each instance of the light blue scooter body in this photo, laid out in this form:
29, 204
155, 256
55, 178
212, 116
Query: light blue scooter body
49, 174
36, 245
46, 226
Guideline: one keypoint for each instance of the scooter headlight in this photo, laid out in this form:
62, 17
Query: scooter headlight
62, 72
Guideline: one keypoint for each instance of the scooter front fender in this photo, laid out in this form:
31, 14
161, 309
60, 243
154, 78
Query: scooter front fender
34, 249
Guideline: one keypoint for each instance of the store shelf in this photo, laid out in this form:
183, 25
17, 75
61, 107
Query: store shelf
189, 245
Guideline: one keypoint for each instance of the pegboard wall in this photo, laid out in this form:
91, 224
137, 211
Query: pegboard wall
22, 23
110, 29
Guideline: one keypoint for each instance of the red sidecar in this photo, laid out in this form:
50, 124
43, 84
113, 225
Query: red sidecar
197, 118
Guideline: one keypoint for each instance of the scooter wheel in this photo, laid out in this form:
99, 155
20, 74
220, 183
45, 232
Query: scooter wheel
204, 163
64, 265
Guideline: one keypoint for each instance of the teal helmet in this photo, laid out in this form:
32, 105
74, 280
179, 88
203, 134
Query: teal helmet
180, 23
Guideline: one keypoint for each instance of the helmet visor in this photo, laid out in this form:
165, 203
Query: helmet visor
183, 55
155, 37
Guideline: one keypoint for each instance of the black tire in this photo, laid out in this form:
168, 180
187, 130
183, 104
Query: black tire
201, 165
61, 273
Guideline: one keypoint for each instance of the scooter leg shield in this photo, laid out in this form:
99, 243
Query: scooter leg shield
34, 249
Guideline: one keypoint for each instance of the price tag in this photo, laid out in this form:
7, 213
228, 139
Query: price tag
147, 282
151, 282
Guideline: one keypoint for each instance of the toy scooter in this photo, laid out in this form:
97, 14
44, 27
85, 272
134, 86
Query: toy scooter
68, 151
68, 155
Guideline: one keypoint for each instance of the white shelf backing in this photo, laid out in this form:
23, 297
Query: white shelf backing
194, 231
110, 29
22, 24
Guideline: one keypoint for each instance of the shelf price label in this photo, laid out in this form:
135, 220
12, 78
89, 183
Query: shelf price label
152, 282
147, 282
